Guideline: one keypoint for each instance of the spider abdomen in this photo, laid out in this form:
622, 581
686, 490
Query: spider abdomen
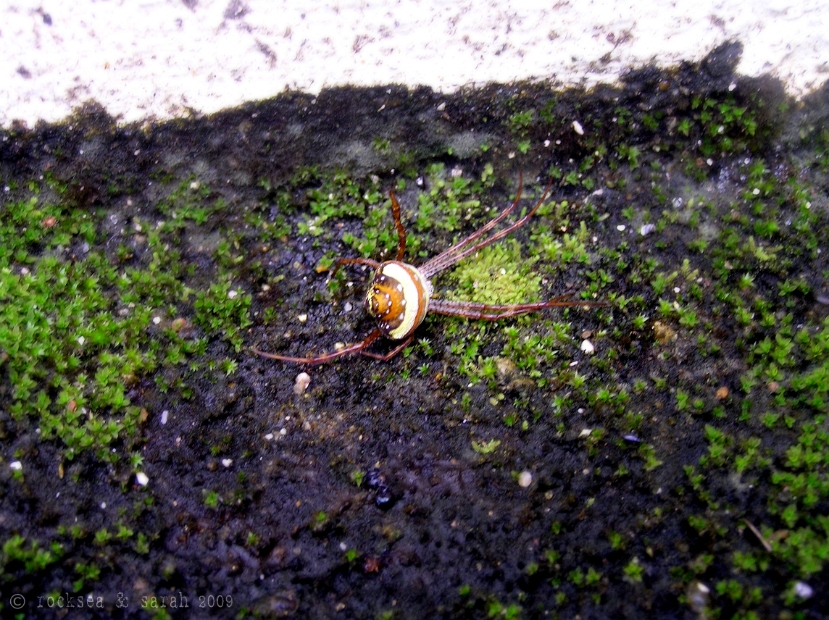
398, 298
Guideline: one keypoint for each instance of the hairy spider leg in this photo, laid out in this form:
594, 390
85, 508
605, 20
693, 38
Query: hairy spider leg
460, 250
385, 357
353, 261
494, 312
441, 261
327, 357
398, 224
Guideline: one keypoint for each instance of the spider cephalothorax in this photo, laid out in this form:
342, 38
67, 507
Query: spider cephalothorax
400, 295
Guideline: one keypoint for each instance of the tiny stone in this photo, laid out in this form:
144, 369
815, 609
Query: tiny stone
578, 128
16, 465
302, 318
620, 228
142, 478
525, 479
722, 393
585, 432
269, 436
697, 595
232, 294
164, 415
587, 347
803, 590
227, 462
647, 229
301, 383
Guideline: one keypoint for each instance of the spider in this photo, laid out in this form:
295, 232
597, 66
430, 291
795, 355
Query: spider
400, 295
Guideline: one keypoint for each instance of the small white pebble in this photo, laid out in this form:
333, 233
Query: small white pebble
164, 415
343, 546
227, 462
347, 306
301, 383
142, 478
16, 465
81, 340
156, 320
647, 229
732, 86
232, 294
578, 128
803, 590
283, 431
525, 479
302, 318
756, 191
587, 347
709, 161
620, 228
677, 290
194, 185
585, 432
269, 436
103, 505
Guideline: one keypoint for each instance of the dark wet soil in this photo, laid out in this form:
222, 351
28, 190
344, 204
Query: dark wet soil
374, 494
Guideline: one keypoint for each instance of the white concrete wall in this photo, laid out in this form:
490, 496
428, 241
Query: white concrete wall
157, 58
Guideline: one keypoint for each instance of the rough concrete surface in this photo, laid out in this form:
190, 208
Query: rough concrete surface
165, 58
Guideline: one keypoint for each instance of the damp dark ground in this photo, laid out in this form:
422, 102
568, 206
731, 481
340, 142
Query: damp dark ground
152, 465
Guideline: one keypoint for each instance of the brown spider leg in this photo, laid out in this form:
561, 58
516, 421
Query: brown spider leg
430, 268
401, 232
436, 264
325, 357
494, 312
385, 357
353, 261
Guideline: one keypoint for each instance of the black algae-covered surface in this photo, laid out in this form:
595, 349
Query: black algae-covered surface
664, 456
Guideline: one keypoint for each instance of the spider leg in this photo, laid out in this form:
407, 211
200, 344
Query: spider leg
401, 232
441, 261
494, 312
463, 249
353, 261
387, 356
325, 357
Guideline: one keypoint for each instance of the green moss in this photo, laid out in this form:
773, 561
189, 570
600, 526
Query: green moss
223, 311
31, 557
498, 274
